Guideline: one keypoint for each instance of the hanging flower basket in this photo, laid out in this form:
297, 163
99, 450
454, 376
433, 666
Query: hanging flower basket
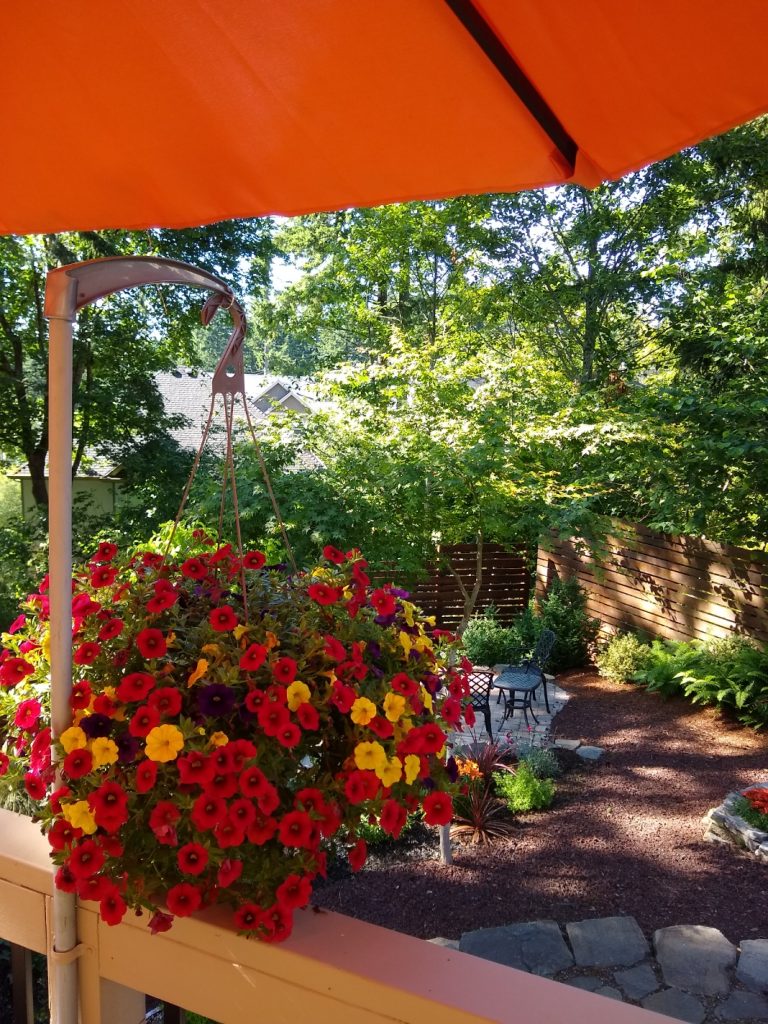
232, 724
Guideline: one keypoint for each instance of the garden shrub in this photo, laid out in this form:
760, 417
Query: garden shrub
564, 610
731, 673
523, 791
541, 762
750, 814
622, 657
487, 642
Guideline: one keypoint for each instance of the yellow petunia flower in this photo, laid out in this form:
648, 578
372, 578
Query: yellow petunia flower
409, 609
368, 756
402, 728
298, 693
73, 738
406, 642
426, 698
200, 670
79, 815
218, 739
271, 640
46, 645
363, 711
394, 706
390, 772
104, 751
412, 768
164, 743
240, 631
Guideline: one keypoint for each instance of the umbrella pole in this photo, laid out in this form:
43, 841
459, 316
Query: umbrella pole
62, 974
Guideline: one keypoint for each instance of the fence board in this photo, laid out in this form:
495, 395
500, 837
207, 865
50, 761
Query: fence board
677, 587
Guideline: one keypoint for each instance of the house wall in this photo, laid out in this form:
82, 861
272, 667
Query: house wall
90, 495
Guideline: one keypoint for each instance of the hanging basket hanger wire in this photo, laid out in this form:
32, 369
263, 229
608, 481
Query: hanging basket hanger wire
229, 383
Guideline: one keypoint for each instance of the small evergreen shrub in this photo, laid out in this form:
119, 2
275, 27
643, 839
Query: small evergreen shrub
622, 657
564, 610
522, 791
541, 762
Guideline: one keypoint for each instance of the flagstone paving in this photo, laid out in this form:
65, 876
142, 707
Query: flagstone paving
515, 728
687, 972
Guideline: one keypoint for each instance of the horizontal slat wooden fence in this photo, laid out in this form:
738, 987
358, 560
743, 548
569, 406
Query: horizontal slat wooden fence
681, 588
506, 583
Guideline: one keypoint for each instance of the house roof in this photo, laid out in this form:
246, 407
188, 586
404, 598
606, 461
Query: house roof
187, 393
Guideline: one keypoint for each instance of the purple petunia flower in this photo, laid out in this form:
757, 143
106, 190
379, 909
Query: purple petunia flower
216, 700
95, 726
127, 748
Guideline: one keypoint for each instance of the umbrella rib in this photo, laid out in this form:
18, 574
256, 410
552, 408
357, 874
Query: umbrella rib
495, 50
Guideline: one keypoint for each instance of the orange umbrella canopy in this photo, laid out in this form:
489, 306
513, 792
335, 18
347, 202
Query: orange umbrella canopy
157, 112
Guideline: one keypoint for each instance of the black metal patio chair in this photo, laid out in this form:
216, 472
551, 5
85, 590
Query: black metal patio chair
480, 686
517, 684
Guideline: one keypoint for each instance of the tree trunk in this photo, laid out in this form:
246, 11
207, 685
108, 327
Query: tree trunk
470, 596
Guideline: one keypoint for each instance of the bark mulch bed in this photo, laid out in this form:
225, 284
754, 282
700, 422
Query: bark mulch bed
623, 836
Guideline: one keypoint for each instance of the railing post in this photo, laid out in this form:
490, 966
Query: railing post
21, 983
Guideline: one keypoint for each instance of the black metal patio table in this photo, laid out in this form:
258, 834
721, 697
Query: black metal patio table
518, 686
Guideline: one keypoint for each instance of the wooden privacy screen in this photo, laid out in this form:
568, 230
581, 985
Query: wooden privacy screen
506, 584
677, 587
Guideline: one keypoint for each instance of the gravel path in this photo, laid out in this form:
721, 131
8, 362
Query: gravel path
623, 837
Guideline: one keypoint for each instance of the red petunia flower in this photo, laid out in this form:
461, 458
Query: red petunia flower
160, 922
143, 721
360, 786
241, 751
27, 714
78, 763
248, 917
261, 830
254, 700
86, 859
105, 552
97, 888
111, 629
296, 829
207, 812
192, 858
62, 834
268, 799
229, 872
184, 899
294, 892
83, 606
222, 784
332, 554
112, 908
358, 855
273, 718
469, 715
253, 658
194, 569
135, 686
242, 811
284, 670
308, 716
34, 786
4, 763
342, 697
146, 776
253, 560
393, 818
86, 653
383, 602
109, 804
195, 768
166, 701
403, 684
450, 712
223, 619
438, 809
151, 644
162, 821
289, 735
229, 833
163, 599
432, 738
80, 698
104, 576
13, 670
334, 649
277, 922
323, 594
104, 705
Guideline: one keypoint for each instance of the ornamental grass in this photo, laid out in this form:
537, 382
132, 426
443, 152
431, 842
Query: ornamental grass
232, 724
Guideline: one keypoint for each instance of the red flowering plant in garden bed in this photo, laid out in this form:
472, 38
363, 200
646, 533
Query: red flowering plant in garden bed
215, 756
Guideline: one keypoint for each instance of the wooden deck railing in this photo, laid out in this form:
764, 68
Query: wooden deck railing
334, 969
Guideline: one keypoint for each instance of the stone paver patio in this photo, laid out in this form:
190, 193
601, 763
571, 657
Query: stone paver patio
687, 972
514, 728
